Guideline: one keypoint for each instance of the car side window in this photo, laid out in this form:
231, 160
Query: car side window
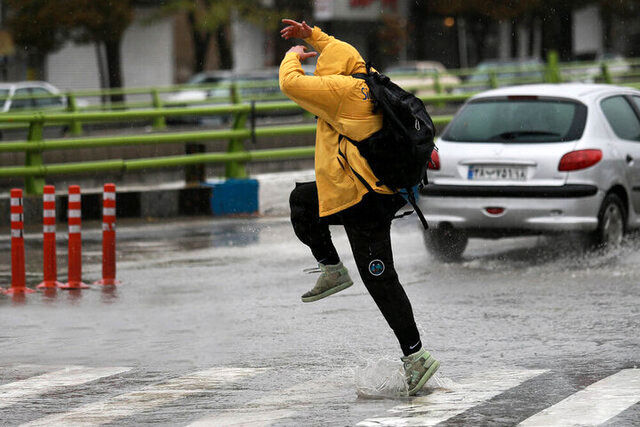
621, 117
47, 101
636, 100
19, 104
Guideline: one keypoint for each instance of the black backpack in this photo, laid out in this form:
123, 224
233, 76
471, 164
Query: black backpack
399, 152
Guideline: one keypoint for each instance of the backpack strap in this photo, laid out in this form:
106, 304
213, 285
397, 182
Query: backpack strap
353, 141
412, 200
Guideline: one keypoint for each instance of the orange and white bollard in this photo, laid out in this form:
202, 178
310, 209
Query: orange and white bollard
17, 246
50, 261
108, 237
74, 218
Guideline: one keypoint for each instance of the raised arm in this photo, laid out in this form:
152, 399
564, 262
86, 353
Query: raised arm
314, 36
320, 96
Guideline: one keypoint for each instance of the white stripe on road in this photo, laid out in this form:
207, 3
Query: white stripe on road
14, 392
248, 418
442, 404
267, 410
593, 405
148, 397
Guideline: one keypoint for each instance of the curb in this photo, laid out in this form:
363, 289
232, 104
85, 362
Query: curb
265, 194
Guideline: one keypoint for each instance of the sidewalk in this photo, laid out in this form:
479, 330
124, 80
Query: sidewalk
264, 194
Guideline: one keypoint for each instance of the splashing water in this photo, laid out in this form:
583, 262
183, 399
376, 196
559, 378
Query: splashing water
381, 378
438, 381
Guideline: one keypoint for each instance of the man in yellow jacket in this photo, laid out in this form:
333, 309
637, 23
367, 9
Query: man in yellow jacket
346, 191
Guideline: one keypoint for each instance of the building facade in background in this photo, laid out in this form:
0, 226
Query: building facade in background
160, 51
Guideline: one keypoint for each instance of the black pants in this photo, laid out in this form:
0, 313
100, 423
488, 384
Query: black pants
368, 227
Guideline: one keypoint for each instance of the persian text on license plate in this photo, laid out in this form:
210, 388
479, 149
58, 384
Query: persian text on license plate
497, 173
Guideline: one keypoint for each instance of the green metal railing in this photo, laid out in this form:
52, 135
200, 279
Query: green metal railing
234, 159
223, 93
157, 111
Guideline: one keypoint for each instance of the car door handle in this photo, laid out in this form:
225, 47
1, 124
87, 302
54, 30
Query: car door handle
629, 159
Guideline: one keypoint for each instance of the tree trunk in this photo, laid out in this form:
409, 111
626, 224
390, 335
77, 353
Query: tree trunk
224, 47
479, 28
557, 32
36, 65
607, 27
200, 44
102, 73
112, 50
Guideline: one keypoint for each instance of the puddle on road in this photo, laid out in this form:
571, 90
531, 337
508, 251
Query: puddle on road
379, 379
550, 255
384, 379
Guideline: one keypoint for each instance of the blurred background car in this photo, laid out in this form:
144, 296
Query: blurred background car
30, 95
536, 159
616, 64
506, 73
255, 86
419, 77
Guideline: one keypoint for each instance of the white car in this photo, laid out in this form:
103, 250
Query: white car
616, 64
259, 86
15, 96
536, 159
418, 76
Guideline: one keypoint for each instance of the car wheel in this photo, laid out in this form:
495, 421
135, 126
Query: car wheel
445, 242
611, 222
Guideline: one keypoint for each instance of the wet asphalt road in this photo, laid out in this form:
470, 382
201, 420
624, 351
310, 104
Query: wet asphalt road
200, 293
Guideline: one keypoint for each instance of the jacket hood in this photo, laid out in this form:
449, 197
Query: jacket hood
339, 58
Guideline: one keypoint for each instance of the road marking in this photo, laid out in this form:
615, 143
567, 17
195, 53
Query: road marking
272, 407
252, 418
442, 404
14, 392
593, 405
148, 397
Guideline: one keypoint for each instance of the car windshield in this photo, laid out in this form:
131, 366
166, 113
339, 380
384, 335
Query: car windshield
518, 119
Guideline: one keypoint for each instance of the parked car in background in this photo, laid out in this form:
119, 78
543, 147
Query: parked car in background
536, 159
588, 73
16, 97
419, 76
258, 86
506, 72
616, 63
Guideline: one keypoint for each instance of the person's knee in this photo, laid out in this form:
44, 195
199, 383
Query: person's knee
303, 195
294, 198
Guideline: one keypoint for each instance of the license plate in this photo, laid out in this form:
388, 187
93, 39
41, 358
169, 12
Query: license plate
497, 173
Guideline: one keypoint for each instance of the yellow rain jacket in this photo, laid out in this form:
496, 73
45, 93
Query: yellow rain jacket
343, 106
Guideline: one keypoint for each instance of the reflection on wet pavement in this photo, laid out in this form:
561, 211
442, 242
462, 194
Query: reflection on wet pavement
199, 293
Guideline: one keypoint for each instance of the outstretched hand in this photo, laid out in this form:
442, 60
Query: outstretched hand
300, 50
295, 30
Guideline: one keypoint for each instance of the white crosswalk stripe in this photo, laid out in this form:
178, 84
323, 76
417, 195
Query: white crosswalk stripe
595, 404
267, 410
18, 391
442, 404
246, 418
148, 397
